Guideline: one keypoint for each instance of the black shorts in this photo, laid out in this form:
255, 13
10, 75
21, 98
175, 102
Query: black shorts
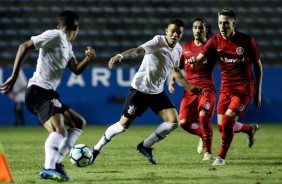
43, 103
137, 103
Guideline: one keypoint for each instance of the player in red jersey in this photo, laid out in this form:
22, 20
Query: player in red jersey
193, 107
236, 52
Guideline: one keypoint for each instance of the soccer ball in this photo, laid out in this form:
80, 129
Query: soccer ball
81, 155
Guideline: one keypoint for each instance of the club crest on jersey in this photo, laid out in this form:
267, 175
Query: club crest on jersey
240, 50
56, 103
131, 110
240, 107
207, 105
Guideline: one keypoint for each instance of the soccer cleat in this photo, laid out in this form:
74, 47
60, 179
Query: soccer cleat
60, 169
200, 148
219, 161
207, 156
95, 154
251, 136
53, 175
147, 152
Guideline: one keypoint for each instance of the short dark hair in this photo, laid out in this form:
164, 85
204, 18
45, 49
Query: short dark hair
177, 21
204, 21
69, 19
227, 12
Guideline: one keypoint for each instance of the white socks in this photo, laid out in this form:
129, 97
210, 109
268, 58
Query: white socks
110, 133
160, 133
51, 149
68, 142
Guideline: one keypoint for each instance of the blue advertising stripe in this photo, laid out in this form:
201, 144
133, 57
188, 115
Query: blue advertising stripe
98, 94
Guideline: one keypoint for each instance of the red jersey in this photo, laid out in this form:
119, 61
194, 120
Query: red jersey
235, 58
200, 76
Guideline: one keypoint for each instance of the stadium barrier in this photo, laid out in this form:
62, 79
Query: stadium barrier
98, 94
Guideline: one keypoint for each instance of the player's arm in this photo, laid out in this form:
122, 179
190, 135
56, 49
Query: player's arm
22, 51
258, 77
196, 61
78, 67
171, 85
131, 53
177, 74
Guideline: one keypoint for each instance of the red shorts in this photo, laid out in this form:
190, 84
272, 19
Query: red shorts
191, 105
237, 103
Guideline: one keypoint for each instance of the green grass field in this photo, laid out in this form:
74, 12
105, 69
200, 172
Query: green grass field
178, 161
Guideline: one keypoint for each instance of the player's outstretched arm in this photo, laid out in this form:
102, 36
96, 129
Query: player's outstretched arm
7, 86
131, 53
177, 74
78, 67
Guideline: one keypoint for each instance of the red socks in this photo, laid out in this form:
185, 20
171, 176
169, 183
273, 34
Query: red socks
227, 135
207, 133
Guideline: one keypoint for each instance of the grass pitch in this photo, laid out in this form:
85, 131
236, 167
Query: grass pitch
178, 162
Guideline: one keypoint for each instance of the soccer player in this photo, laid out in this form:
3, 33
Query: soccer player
236, 52
195, 107
55, 55
161, 56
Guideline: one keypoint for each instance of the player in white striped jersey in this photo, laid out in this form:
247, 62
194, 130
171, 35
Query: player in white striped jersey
55, 55
161, 57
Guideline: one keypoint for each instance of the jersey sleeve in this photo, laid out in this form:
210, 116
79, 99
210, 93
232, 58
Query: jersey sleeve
151, 45
45, 40
71, 53
209, 48
254, 50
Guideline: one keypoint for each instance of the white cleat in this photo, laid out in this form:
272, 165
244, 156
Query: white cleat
200, 148
219, 161
207, 156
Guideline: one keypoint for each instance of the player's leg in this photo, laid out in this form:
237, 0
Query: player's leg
228, 122
133, 106
55, 126
75, 123
110, 133
225, 126
207, 133
188, 115
206, 107
162, 106
250, 130
170, 123
46, 105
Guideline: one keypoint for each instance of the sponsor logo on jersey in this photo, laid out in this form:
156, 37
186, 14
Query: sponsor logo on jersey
207, 105
229, 60
240, 107
131, 110
56, 103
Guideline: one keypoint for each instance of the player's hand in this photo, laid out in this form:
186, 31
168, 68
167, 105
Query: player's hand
171, 88
114, 60
196, 90
192, 61
257, 100
7, 86
90, 53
